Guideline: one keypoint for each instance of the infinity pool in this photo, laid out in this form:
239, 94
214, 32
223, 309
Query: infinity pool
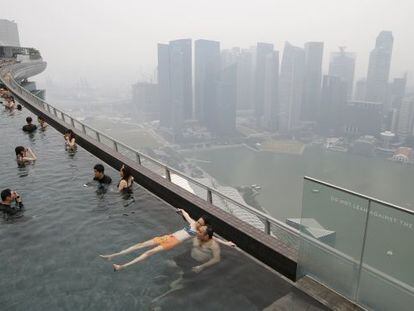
49, 258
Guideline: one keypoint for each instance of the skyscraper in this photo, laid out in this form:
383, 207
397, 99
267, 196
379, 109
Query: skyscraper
379, 68
175, 83
271, 91
164, 85
207, 69
227, 100
9, 34
342, 65
291, 87
262, 50
333, 104
182, 52
363, 118
312, 81
245, 84
360, 89
405, 118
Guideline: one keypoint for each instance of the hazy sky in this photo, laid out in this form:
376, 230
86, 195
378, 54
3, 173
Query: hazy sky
115, 41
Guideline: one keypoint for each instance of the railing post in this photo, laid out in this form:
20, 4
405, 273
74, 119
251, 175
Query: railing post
83, 129
72, 121
267, 226
167, 173
98, 136
115, 145
358, 277
209, 196
138, 158
54, 111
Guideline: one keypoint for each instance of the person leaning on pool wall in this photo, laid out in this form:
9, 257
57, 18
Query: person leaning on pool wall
7, 208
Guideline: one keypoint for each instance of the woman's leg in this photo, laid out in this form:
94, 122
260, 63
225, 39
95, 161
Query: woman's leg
142, 257
129, 249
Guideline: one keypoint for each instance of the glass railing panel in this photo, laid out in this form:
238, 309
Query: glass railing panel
107, 141
332, 230
286, 237
218, 201
90, 132
387, 275
198, 190
152, 166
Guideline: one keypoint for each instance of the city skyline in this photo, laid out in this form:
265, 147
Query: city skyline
97, 34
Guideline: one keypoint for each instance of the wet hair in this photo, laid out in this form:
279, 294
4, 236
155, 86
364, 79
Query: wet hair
70, 133
209, 231
126, 172
29, 120
206, 219
41, 118
19, 150
19, 107
5, 194
99, 167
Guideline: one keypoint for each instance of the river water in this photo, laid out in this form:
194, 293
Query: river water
281, 175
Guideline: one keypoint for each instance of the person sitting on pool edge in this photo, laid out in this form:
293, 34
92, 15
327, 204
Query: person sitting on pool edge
24, 155
162, 243
7, 198
70, 140
29, 127
100, 176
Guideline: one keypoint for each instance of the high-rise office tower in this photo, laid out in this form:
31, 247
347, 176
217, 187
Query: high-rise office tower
342, 65
312, 81
333, 104
164, 85
291, 78
9, 34
245, 84
227, 101
363, 118
262, 50
397, 92
182, 49
405, 118
245, 74
379, 68
175, 83
271, 91
207, 70
360, 89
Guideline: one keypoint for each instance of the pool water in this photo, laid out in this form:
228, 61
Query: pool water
49, 257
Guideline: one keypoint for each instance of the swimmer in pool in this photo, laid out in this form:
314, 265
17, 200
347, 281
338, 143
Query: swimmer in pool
162, 243
24, 155
206, 248
70, 140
